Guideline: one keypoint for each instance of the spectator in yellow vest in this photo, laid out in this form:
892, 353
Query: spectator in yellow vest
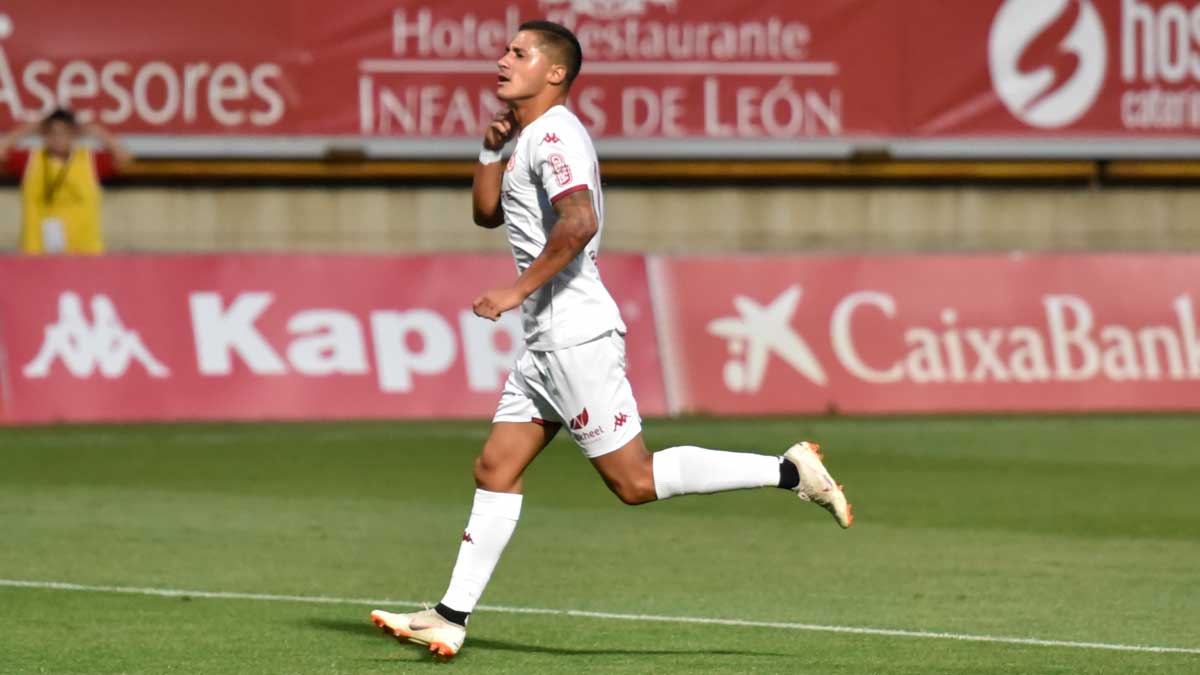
60, 183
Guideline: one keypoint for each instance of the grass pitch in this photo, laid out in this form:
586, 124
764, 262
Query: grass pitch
1081, 529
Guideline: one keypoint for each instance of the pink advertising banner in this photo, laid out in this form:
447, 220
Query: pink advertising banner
279, 337
327, 337
930, 334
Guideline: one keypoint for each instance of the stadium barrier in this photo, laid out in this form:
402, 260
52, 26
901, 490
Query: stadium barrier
325, 337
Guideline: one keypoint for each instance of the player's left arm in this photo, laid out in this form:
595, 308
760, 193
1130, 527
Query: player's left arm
121, 157
575, 227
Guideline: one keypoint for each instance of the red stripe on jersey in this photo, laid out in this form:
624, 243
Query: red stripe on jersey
564, 193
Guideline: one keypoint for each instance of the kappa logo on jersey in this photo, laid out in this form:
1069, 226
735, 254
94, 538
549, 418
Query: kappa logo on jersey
512, 161
83, 346
467, 537
550, 138
619, 420
1047, 59
758, 332
562, 171
579, 421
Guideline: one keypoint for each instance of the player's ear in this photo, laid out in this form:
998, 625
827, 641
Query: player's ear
557, 74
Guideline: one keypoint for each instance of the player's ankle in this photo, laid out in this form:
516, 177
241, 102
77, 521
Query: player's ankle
452, 615
789, 475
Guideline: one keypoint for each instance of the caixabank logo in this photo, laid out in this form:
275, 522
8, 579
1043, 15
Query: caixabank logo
1047, 59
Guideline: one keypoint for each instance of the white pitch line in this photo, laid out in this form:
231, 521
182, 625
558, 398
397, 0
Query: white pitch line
810, 627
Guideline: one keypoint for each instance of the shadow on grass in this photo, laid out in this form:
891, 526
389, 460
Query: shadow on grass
365, 628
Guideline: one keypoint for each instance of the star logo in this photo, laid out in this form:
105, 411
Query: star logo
757, 333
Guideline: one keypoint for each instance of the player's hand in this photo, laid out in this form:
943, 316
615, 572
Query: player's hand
501, 130
497, 301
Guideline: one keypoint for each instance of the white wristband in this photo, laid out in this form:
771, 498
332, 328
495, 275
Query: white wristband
489, 156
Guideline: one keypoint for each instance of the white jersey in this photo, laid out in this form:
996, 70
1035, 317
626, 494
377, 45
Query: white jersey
554, 157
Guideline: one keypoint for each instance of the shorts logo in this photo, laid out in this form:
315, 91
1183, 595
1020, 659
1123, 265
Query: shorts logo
579, 421
562, 172
619, 420
467, 537
550, 138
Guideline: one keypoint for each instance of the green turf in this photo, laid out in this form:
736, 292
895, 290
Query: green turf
1065, 528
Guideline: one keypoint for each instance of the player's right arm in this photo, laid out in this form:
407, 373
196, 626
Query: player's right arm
7, 141
485, 188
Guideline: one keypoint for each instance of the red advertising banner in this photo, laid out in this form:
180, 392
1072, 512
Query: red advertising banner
908, 334
1067, 68
653, 68
660, 77
279, 337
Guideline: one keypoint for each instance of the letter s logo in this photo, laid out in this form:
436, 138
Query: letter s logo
1047, 59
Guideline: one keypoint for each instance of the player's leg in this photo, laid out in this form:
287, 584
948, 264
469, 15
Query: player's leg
519, 432
636, 476
509, 449
497, 506
591, 377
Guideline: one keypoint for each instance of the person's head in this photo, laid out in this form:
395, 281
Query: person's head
60, 131
543, 55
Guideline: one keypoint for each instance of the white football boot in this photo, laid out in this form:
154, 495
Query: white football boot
426, 627
816, 485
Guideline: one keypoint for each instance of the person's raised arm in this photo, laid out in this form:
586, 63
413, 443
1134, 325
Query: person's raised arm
7, 141
575, 227
120, 154
485, 187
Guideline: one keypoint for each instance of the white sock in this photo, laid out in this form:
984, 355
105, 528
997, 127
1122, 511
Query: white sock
493, 518
690, 470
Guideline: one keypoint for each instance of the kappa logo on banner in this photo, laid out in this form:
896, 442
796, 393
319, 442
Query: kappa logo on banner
760, 331
1047, 59
84, 346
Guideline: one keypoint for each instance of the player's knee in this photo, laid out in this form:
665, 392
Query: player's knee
492, 475
635, 489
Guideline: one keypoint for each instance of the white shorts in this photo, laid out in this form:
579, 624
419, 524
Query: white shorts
583, 387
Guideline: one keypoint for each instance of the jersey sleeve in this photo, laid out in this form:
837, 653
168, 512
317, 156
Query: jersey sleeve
563, 161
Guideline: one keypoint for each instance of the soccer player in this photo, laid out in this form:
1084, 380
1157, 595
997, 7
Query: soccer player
573, 370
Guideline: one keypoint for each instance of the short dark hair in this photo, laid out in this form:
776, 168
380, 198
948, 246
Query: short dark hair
60, 115
561, 40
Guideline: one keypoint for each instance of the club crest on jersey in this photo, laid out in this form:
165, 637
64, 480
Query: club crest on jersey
550, 138
562, 172
579, 421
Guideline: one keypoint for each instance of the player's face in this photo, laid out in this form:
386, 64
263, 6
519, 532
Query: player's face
59, 137
524, 69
